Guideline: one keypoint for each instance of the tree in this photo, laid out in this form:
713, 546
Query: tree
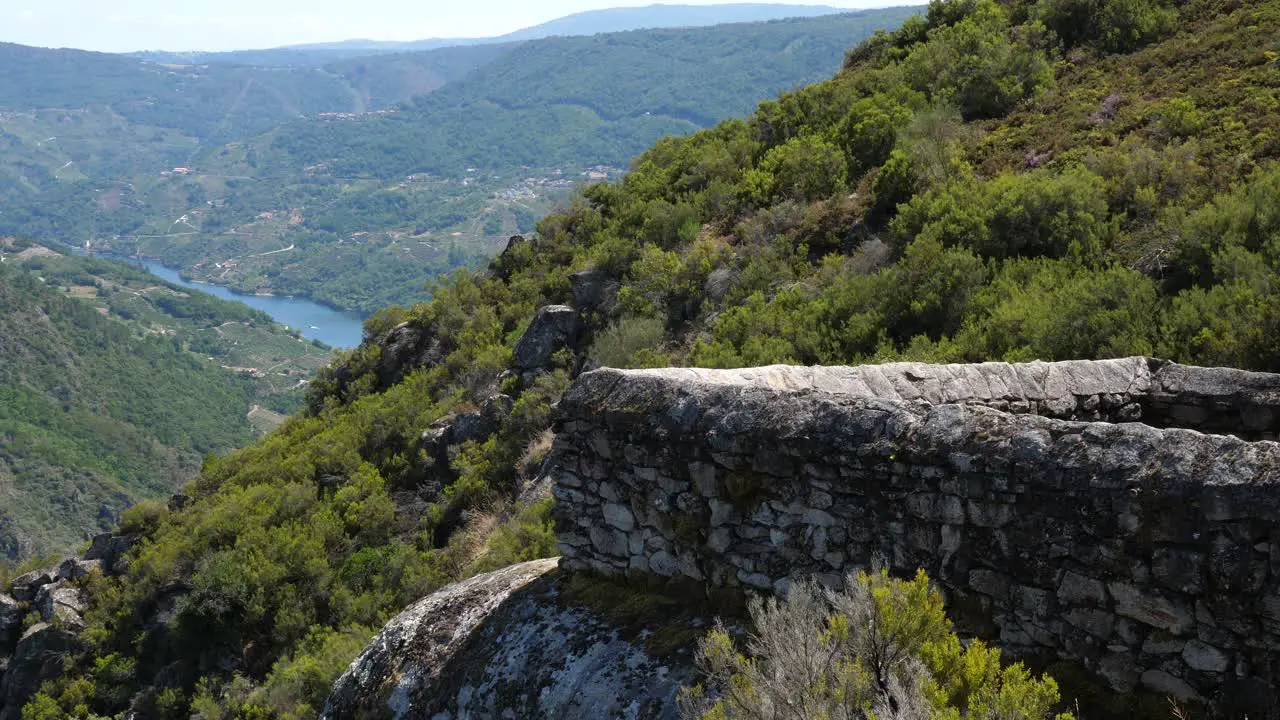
804, 168
979, 65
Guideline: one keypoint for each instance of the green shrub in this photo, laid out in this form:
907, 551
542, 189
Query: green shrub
143, 518
1035, 214
1058, 310
869, 132
631, 342
1177, 118
1112, 25
881, 648
979, 65
804, 168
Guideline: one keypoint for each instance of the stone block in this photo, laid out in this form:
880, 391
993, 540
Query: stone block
1076, 589
1177, 569
1120, 671
1162, 683
1204, 657
664, 564
1151, 609
1097, 623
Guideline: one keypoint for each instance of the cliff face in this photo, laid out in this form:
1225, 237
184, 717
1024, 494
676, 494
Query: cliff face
504, 645
1149, 555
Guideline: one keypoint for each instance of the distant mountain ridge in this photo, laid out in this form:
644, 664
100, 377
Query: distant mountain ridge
594, 22
591, 22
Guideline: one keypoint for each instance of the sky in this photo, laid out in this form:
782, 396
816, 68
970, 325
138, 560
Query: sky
126, 25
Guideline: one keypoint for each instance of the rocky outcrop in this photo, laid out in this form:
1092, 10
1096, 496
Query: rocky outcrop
111, 550
11, 614
38, 657
404, 349
593, 290
62, 604
1068, 510
27, 585
463, 426
554, 328
502, 645
29, 658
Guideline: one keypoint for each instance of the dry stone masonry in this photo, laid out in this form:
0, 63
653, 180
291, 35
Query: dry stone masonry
1122, 514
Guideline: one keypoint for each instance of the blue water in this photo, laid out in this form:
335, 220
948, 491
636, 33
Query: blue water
315, 321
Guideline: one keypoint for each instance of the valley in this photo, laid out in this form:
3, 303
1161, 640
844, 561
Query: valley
380, 172
118, 384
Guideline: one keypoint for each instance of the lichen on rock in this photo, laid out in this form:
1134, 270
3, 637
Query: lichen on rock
504, 645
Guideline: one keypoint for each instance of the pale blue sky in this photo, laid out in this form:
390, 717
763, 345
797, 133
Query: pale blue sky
122, 25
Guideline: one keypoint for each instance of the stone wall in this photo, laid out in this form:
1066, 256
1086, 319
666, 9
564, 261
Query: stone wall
1148, 554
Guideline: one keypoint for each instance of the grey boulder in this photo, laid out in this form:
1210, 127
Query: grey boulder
554, 328
504, 645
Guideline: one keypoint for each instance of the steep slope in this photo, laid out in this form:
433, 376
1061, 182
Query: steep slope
114, 390
966, 187
94, 417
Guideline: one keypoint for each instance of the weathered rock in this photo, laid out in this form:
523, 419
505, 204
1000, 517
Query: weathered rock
506, 262
74, 569
99, 547
1162, 683
1205, 657
592, 289
61, 602
116, 561
503, 645
554, 328
404, 349
38, 657
25, 586
482, 423
11, 612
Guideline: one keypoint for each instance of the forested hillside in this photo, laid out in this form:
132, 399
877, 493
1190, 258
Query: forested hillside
114, 389
94, 417
995, 180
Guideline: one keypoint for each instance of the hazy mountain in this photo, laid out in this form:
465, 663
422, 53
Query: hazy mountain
586, 23
611, 20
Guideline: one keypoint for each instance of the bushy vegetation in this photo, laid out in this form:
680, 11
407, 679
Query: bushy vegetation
880, 649
1058, 197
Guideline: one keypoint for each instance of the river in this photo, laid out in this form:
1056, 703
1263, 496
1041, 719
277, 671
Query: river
315, 321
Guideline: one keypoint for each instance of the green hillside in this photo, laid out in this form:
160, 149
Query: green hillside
605, 98
1057, 179
206, 102
114, 390
386, 201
